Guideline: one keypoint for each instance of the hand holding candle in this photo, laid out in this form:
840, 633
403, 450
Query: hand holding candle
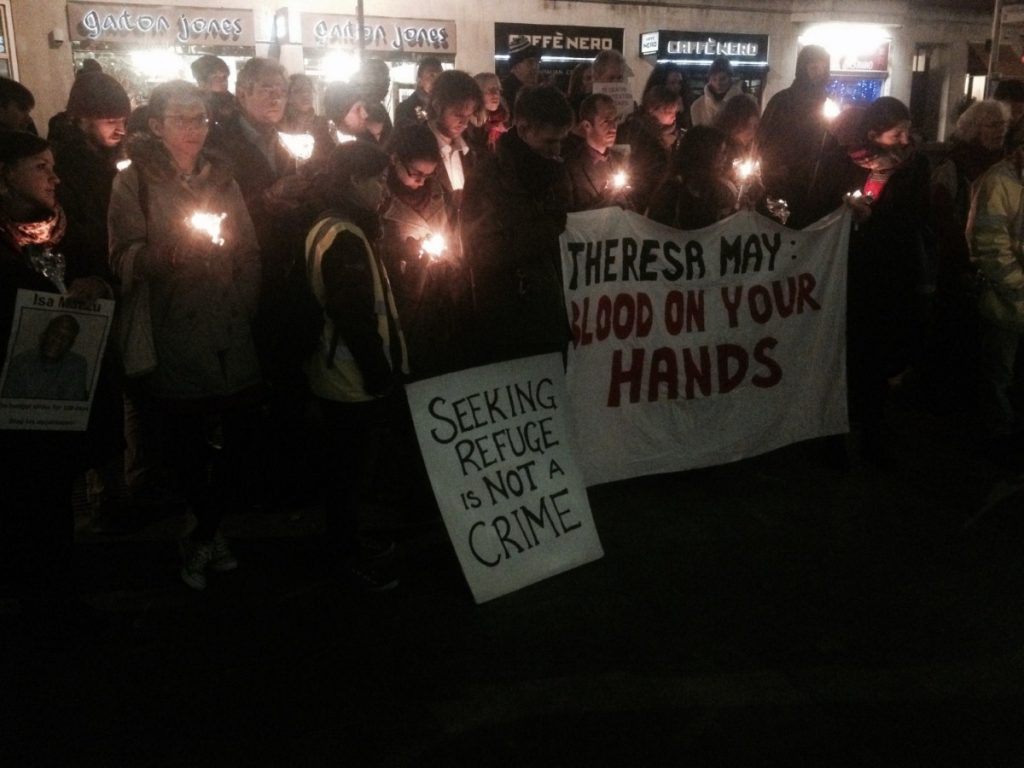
433, 248
619, 181
299, 145
208, 224
830, 110
745, 169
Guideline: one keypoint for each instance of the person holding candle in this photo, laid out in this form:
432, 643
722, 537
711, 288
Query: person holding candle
203, 284
890, 268
421, 251
652, 136
356, 374
738, 120
696, 194
793, 137
599, 174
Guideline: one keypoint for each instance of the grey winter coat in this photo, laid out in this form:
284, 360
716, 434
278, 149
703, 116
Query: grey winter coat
202, 297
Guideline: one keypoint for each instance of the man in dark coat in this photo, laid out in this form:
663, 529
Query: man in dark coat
454, 100
793, 138
598, 174
414, 108
515, 208
86, 152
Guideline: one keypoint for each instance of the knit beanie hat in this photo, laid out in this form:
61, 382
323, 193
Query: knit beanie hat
521, 49
97, 95
17, 145
339, 98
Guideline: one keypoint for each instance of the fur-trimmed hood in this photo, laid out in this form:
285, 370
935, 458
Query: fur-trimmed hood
152, 159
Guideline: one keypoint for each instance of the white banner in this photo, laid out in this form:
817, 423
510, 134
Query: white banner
698, 348
53, 362
496, 447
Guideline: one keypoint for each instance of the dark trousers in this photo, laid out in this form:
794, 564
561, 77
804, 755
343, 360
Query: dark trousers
353, 435
209, 453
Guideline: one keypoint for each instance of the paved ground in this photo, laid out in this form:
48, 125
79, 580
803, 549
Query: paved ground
771, 612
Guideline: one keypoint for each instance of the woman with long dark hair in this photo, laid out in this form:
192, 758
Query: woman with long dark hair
696, 192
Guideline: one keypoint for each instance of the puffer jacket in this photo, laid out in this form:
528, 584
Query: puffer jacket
995, 230
202, 302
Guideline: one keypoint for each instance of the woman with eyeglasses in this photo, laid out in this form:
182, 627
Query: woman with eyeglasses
181, 237
422, 253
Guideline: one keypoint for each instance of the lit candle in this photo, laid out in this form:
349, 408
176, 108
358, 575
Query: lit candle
831, 110
433, 247
744, 170
299, 145
123, 164
208, 224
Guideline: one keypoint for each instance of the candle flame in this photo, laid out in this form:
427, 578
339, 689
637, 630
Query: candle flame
343, 138
747, 168
856, 193
209, 224
434, 246
831, 110
123, 164
619, 180
299, 145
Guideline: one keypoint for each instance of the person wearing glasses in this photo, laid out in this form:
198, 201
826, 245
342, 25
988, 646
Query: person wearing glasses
203, 282
421, 251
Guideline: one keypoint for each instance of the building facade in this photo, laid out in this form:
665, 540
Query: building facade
919, 55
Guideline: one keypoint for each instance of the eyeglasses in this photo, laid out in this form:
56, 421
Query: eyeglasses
414, 174
181, 122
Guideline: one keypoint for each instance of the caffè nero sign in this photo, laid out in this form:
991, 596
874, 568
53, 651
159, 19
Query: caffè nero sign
155, 25
380, 34
699, 47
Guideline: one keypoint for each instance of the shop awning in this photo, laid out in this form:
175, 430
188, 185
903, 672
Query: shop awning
1008, 66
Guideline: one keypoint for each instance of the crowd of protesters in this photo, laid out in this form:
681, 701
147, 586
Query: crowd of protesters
264, 365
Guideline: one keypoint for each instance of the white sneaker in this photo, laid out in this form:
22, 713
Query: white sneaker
223, 559
195, 559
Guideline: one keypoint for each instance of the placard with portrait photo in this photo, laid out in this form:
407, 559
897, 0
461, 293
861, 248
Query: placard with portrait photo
53, 362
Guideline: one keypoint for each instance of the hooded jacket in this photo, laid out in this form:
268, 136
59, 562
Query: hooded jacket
792, 139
